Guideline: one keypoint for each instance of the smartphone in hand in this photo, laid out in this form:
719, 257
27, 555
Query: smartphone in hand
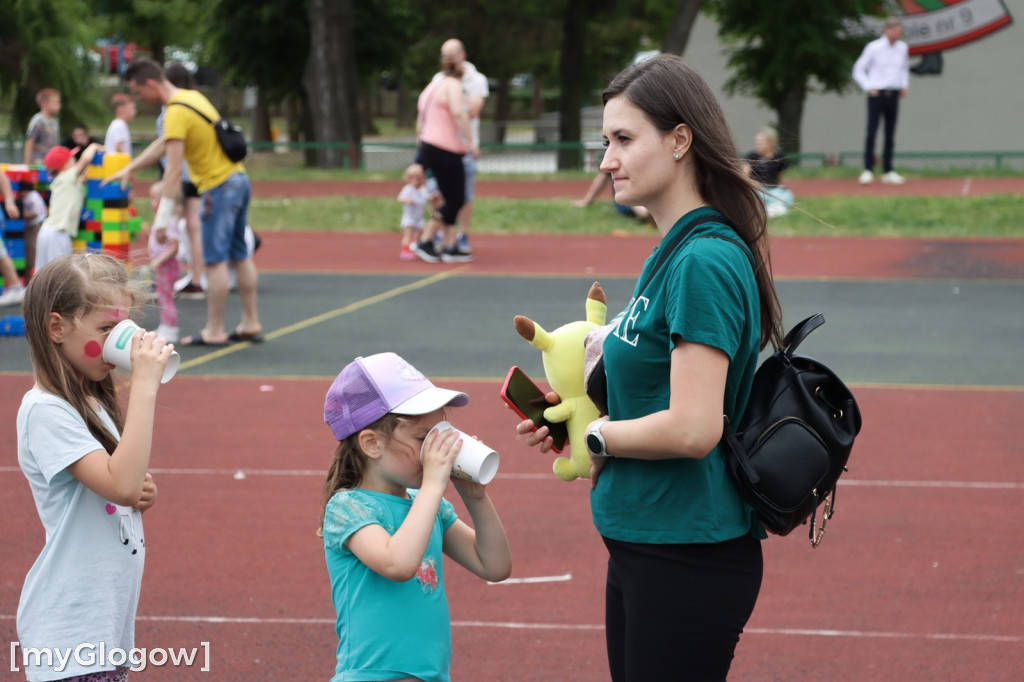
528, 401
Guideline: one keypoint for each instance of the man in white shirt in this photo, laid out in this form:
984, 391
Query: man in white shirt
883, 72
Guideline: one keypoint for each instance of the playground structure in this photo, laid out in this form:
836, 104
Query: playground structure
108, 223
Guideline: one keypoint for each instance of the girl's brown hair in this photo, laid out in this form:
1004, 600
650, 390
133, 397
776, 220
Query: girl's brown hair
74, 286
669, 93
349, 463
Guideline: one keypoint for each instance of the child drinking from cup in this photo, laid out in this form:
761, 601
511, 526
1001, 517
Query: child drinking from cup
86, 462
386, 522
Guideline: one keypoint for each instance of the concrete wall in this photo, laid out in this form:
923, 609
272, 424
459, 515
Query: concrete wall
977, 104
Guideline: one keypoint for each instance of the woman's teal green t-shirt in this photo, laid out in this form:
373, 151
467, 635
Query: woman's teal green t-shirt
704, 293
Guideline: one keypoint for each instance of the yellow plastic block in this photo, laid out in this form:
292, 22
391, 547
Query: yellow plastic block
115, 215
114, 162
94, 172
119, 237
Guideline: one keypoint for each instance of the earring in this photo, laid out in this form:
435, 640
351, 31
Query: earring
676, 156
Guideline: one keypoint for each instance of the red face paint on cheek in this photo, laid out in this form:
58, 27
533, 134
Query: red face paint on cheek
93, 349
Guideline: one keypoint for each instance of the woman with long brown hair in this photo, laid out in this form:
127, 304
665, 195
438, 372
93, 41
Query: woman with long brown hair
685, 564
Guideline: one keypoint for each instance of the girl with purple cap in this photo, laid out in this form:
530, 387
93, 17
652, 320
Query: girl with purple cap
386, 522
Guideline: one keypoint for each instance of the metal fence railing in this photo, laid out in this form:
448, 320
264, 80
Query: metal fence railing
543, 157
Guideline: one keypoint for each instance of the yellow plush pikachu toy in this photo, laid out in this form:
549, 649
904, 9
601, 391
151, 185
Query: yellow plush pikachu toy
563, 353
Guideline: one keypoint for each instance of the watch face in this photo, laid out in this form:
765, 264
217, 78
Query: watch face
595, 444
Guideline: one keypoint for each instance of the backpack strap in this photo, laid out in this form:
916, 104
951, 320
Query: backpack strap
189, 106
669, 247
800, 332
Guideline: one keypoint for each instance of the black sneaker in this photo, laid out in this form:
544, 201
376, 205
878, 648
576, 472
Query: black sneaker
426, 251
453, 254
192, 291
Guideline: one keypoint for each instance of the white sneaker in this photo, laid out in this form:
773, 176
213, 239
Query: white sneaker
893, 178
12, 295
182, 281
866, 177
170, 334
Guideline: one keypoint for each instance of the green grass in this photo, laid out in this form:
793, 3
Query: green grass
1000, 215
991, 216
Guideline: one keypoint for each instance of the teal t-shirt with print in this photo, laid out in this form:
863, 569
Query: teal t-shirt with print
704, 293
387, 630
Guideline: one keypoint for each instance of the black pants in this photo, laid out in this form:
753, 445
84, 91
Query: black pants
451, 179
675, 612
885, 105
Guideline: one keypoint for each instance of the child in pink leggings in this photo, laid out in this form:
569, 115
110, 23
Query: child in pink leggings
163, 261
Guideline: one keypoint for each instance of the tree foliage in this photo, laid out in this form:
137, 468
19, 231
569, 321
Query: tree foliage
154, 24
781, 52
44, 43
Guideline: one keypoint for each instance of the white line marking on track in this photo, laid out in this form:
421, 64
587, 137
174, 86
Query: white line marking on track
538, 579
792, 632
854, 482
969, 637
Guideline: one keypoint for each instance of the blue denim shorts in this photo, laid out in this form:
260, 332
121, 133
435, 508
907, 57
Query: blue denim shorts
224, 215
469, 164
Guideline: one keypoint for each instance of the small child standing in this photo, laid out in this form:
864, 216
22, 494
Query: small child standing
87, 464
413, 197
43, 128
119, 138
164, 263
66, 199
386, 522
35, 209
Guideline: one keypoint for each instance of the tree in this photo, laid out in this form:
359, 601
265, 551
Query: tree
331, 80
154, 24
678, 34
271, 56
44, 43
782, 53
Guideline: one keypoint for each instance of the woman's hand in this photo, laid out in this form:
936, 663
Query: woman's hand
527, 431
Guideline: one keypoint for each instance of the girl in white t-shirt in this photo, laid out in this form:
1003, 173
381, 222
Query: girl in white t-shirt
87, 464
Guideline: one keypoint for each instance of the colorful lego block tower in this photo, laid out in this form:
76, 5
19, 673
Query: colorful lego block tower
23, 179
109, 223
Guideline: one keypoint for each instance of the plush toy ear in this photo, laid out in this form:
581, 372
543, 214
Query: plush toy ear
596, 293
525, 327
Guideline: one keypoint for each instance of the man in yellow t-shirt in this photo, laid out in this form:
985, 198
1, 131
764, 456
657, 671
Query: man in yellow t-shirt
224, 190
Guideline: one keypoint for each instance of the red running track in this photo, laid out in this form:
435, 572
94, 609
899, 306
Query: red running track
919, 576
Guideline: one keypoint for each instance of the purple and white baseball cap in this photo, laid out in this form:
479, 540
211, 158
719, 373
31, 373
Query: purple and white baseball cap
369, 388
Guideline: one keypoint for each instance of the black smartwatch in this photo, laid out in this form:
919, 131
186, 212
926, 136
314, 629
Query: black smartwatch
595, 441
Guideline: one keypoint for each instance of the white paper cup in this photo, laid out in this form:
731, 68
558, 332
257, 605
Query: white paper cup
118, 350
475, 462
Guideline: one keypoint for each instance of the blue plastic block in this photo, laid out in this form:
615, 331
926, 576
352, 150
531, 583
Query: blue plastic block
12, 326
15, 248
111, 191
